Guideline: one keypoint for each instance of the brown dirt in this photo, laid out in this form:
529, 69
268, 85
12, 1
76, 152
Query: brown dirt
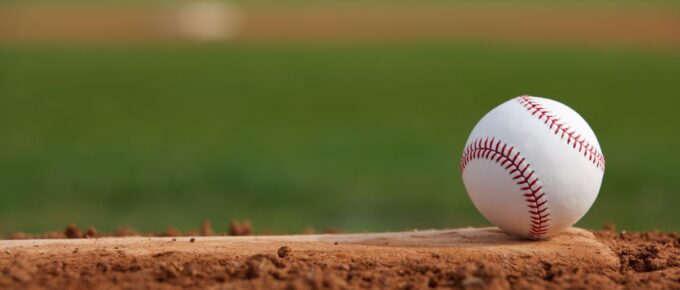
636, 27
240, 228
436, 259
593, 26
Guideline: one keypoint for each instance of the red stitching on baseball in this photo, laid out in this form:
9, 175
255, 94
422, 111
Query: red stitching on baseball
510, 159
573, 138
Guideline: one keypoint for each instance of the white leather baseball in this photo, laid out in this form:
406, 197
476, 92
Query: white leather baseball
532, 166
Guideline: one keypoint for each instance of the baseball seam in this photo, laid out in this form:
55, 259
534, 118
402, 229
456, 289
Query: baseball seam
574, 138
520, 171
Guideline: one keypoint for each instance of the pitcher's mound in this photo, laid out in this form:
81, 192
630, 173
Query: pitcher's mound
471, 258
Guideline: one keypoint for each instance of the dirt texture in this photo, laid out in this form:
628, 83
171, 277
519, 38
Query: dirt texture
591, 26
471, 258
638, 27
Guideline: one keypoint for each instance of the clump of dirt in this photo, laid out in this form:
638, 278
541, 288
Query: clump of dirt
91, 232
283, 251
240, 228
260, 266
73, 232
206, 229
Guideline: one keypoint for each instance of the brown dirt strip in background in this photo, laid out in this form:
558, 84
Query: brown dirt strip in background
552, 25
435, 259
655, 28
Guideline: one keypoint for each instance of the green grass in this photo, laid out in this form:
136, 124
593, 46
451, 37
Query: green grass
356, 136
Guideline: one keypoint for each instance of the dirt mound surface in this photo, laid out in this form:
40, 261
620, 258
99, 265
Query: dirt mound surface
458, 259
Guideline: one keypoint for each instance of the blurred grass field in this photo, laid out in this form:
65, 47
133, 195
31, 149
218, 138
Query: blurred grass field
355, 136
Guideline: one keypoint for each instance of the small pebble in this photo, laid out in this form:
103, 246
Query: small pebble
284, 251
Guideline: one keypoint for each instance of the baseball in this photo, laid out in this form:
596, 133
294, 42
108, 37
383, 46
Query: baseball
532, 166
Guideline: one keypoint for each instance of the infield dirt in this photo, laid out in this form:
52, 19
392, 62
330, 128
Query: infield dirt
435, 259
594, 26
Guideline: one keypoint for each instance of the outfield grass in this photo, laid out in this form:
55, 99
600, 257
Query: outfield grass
361, 137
